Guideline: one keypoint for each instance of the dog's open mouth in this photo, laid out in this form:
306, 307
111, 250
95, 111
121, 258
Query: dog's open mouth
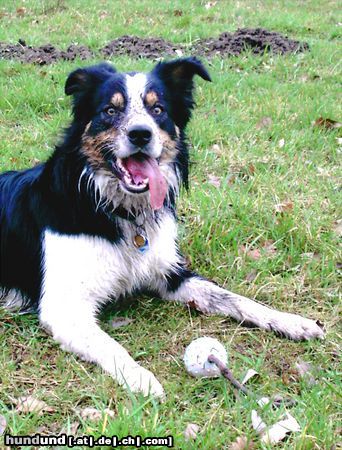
139, 173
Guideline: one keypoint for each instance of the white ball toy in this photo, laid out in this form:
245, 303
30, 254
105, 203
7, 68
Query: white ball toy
196, 357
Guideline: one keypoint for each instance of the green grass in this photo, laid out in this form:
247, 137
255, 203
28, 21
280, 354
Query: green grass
256, 172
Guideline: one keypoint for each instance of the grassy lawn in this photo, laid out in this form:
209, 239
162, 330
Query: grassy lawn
260, 219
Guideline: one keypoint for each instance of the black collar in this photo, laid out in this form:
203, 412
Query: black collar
121, 212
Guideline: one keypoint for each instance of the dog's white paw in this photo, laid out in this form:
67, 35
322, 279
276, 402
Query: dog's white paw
138, 379
296, 327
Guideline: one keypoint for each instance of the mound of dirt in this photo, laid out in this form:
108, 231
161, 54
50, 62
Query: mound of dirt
257, 40
140, 47
45, 54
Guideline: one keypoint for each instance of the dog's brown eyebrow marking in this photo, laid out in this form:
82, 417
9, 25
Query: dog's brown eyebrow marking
118, 100
151, 98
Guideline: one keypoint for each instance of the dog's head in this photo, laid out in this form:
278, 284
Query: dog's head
132, 124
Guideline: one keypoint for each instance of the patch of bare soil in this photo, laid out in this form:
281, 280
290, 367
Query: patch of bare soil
227, 44
44, 54
256, 40
140, 47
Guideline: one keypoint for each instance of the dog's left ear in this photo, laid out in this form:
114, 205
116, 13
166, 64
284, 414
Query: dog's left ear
177, 77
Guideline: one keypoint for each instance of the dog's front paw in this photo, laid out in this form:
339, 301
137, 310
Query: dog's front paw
138, 379
296, 327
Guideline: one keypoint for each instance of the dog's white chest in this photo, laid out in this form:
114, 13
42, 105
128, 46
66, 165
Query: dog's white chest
92, 267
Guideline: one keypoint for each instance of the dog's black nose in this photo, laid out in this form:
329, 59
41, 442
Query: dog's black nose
140, 135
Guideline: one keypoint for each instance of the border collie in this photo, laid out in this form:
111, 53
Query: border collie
97, 221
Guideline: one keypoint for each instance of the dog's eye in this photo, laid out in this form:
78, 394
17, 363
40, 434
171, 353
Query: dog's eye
157, 110
110, 111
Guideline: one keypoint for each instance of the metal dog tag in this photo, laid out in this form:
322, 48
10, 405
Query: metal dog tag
140, 241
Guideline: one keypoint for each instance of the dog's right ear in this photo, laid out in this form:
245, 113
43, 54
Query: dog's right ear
82, 84
83, 80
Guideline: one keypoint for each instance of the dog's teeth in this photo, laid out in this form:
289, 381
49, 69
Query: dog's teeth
123, 169
121, 166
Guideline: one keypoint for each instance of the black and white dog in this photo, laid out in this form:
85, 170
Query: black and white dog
97, 221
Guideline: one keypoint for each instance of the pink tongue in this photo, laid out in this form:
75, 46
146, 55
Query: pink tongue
146, 167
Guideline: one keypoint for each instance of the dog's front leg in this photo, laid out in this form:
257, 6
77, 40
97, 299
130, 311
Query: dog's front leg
209, 298
78, 275
79, 333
